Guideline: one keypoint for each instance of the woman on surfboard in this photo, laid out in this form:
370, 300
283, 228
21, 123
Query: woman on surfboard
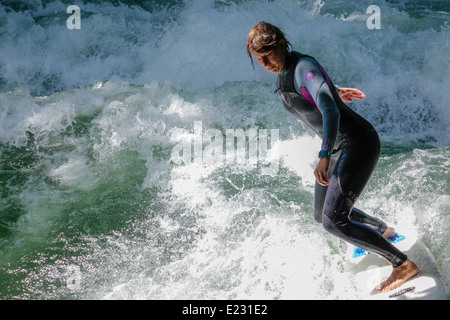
349, 152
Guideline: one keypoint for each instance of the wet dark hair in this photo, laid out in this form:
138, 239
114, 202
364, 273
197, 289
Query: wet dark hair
265, 37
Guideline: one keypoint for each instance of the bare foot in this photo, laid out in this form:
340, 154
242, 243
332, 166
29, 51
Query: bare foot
389, 232
399, 276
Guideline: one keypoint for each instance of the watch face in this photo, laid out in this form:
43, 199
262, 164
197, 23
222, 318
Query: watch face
323, 153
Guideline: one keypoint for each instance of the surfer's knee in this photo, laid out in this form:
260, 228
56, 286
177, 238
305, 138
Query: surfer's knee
335, 217
337, 227
318, 216
329, 225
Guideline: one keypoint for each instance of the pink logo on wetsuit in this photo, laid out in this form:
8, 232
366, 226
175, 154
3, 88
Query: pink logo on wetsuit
310, 76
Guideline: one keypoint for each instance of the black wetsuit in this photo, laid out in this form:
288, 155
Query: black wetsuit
353, 146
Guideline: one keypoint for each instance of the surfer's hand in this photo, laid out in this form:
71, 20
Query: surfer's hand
321, 171
348, 94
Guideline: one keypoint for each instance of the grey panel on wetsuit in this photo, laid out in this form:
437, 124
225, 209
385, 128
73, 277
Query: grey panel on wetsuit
308, 75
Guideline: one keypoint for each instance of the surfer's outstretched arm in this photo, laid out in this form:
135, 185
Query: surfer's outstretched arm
348, 94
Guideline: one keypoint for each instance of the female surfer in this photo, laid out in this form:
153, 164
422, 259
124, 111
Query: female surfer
349, 152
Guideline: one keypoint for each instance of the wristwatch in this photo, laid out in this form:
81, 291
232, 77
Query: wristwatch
324, 153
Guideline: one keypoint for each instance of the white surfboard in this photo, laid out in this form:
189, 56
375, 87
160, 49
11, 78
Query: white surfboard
371, 270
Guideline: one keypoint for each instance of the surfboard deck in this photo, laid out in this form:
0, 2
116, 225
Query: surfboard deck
371, 270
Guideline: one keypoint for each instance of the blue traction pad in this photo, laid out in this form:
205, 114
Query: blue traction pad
357, 252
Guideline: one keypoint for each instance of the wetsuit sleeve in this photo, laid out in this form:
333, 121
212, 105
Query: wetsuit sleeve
310, 81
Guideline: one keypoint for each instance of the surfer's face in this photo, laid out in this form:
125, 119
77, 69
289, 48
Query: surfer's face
272, 60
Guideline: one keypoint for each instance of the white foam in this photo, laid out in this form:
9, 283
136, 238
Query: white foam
75, 173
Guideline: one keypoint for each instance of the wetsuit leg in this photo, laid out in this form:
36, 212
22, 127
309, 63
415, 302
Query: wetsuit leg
356, 214
321, 191
362, 217
351, 172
